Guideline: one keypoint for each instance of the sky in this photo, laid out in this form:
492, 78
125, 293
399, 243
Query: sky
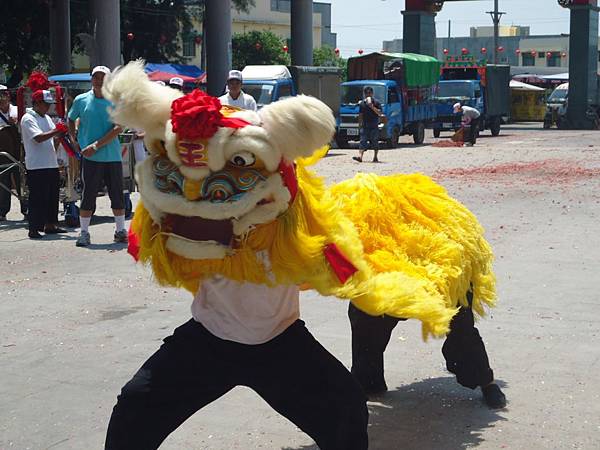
365, 24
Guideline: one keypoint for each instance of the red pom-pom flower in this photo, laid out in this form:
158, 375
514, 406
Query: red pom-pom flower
38, 81
196, 115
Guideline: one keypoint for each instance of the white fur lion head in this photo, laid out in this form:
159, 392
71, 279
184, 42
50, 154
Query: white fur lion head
215, 171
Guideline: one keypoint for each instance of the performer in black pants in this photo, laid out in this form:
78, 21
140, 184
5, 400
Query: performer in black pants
463, 350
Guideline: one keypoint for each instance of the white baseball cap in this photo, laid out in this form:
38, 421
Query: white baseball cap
3, 88
162, 83
105, 70
176, 81
45, 96
457, 106
234, 75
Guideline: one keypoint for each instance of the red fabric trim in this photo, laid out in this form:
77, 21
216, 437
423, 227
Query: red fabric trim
233, 122
288, 175
133, 246
341, 265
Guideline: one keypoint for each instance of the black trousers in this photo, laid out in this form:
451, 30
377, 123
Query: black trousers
95, 175
293, 373
473, 130
44, 185
463, 349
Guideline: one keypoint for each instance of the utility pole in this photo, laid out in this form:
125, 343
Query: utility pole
449, 34
496, 15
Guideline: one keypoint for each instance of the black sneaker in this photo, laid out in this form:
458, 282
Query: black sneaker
35, 235
493, 396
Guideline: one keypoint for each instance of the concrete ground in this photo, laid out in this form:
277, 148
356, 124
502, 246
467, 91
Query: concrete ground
76, 323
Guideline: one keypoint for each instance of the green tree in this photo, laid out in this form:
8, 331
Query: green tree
155, 26
326, 56
258, 47
23, 37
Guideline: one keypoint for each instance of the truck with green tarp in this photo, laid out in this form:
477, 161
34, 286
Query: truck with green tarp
404, 84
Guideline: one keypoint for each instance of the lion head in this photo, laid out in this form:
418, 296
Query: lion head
215, 172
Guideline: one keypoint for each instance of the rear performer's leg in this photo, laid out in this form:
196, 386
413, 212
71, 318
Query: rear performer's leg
467, 358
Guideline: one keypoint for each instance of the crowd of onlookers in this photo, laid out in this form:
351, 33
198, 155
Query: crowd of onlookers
94, 136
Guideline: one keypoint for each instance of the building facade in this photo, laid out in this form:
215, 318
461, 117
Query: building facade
519, 47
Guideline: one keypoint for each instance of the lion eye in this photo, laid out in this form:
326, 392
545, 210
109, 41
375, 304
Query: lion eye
243, 159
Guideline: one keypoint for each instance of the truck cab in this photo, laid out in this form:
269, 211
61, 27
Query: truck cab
267, 84
384, 91
465, 92
473, 83
270, 83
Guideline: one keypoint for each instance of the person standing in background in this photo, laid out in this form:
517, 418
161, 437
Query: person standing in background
101, 164
39, 136
235, 96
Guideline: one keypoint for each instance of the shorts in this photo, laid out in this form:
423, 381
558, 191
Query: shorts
95, 175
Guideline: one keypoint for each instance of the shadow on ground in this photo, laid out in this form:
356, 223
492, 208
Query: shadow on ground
433, 414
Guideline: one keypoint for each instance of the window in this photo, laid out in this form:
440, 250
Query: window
554, 60
285, 90
189, 47
392, 96
541, 54
528, 59
281, 5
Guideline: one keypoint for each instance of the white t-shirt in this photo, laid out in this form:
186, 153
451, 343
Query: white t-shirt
244, 101
12, 113
138, 148
38, 155
247, 313
470, 113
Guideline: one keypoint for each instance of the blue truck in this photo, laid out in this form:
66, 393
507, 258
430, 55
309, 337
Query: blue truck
404, 84
269, 83
473, 83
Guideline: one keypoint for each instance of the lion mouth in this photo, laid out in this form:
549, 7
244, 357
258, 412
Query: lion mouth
198, 229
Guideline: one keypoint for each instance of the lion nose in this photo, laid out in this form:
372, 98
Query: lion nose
192, 189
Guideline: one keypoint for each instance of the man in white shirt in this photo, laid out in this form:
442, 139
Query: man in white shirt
471, 118
8, 111
39, 136
235, 96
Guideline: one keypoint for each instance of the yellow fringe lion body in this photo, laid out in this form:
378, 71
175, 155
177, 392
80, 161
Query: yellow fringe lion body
417, 250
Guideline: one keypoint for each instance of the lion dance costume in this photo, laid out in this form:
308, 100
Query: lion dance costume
228, 195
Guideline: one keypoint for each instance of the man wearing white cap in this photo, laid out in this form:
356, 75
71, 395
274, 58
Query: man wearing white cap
101, 165
470, 116
235, 96
39, 133
176, 83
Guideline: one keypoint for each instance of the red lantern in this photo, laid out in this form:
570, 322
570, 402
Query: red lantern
257, 46
483, 50
130, 36
198, 40
563, 54
285, 48
533, 52
500, 49
337, 51
446, 51
360, 51
465, 51
549, 55
518, 51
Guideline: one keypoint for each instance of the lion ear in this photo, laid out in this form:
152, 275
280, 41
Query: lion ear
298, 126
137, 101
